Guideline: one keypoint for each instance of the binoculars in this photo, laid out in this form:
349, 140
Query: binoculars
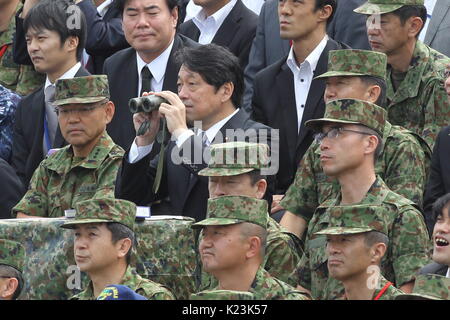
145, 104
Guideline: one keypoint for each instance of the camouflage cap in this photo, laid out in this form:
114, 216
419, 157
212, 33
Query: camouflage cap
385, 6
356, 219
227, 210
88, 89
429, 287
12, 254
103, 210
352, 111
234, 158
222, 295
355, 62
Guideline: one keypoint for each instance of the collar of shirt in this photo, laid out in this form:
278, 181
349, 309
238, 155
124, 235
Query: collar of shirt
209, 25
68, 75
103, 8
213, 130
157, 67
448, 273
311, 60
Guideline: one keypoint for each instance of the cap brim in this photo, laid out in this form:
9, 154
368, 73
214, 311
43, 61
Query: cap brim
415, 296
216, 222
219, 172
78, 100
318, 123
372, 8
342, 231
72, 224
339, 74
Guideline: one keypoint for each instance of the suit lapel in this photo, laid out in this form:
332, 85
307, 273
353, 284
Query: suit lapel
229, 27
37, 112
315, 94
171, 74
440, 11
285, 87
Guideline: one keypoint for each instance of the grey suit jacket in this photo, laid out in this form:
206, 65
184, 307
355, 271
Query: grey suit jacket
438, 33
267, 48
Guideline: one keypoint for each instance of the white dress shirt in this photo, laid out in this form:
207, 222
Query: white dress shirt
137, 153
429, 4
448, 273
209, 26
192, 9
303, 76
157, 67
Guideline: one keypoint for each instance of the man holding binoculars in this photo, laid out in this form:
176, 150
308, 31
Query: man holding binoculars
210, 86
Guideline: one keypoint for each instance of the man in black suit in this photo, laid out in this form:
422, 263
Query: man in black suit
12, 190
55, 50
210, 88
228, 23
150, 29
440, 239
286, 93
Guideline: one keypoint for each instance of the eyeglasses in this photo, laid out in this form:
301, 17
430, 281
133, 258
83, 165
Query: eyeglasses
334, 133
81, 111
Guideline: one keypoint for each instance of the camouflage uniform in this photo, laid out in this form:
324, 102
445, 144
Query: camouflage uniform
222, 295
62, 180
420, 103
8, 105
12, 254
359, 219
121, 211
402, 164
283, 249
429, 287
229, 210
409, 243
21, 79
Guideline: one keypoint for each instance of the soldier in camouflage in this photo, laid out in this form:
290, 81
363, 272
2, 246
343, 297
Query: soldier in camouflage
88, 166
429, 287
356, 244
350, 140
103, 243
12, 256
8, 105
405, 156
222, 295
232, 248
235, 168
415, 75
21, 79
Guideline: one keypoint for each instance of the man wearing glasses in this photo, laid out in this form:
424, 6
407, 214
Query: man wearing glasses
350, 138
87, 167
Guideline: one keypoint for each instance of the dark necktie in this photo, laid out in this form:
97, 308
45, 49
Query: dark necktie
146, 76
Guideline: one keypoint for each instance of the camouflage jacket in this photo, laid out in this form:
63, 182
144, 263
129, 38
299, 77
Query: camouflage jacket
147, 288
420, 103
389, 294
8, 105
403, 165
61, 180
408, 250
21, 79
283, 253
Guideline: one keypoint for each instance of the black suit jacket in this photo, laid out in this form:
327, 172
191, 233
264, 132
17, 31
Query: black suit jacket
186, 190
121, 69
434, 268
104, 36
12, 189
28, 133
236, 32
274, 105
439, 179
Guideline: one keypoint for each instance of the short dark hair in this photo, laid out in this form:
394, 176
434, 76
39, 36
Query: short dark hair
380, 146
370, 81
120, 231
54, 15
120, 4
406, 12
8, 271
440, 204
253, 230
373, 237
322, 3
216, 65
255, 176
